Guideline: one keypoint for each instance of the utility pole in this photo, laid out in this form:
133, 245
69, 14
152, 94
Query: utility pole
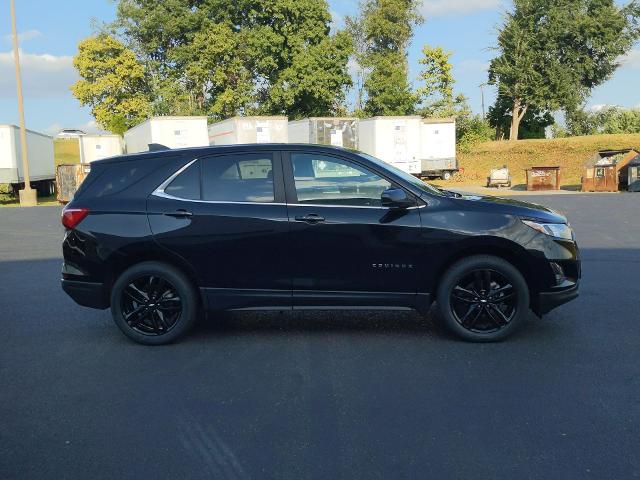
28, 197
482, 85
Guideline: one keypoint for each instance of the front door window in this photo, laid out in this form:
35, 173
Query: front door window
326, 180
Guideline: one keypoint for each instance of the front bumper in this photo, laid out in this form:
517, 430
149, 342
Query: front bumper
547, 301
87, 294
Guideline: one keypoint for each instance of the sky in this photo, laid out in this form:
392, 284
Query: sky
467, 28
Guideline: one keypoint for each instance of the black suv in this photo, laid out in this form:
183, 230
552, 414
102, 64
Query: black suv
160, 237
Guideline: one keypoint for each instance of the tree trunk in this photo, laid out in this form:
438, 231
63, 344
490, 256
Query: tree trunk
517, 115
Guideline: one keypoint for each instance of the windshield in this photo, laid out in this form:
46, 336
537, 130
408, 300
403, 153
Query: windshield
407, 177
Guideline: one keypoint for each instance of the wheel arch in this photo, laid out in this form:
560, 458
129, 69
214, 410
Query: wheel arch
513, 254
123, 260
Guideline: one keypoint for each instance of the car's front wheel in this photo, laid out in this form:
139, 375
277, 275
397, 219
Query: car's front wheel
153, 303
483, 298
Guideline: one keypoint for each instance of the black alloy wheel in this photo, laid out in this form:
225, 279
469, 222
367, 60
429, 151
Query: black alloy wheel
484, 301
154, 303
483, 298
151, 305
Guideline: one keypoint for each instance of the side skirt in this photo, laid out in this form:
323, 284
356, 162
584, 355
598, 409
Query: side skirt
265, 299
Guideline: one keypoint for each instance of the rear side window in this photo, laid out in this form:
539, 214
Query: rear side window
187, 184
238, 178
116, 177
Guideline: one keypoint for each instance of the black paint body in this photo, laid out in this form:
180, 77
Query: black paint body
244, 255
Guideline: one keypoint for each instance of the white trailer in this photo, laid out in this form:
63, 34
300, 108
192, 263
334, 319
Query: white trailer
240, 130
396, 140
41, 163
97, 147
336, 131
172, 132
438, 149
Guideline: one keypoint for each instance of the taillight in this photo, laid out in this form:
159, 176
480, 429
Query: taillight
71, 217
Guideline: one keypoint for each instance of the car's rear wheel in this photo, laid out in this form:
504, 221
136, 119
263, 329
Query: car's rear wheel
483, 298
153, 303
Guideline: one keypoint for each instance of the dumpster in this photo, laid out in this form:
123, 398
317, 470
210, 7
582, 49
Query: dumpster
543, 178
606, 171
633, 174
68, 180
602, 177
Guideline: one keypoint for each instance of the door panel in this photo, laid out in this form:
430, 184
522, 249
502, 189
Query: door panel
237, 247
347, 249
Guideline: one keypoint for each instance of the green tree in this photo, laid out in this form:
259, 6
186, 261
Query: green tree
316, 82
472, 129
609, 120
533, 124
552, 53
384, 29
435, 95
113, 83
619, 120
220, 58
581, 122
212, 68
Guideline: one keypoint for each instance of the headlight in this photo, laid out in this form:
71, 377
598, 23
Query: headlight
558, 230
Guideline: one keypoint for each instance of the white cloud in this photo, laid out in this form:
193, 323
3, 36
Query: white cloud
24, 36
631, 59
438, 8
43, 75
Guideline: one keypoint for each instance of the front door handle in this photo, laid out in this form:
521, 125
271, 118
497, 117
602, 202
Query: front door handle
180, 213
311, 218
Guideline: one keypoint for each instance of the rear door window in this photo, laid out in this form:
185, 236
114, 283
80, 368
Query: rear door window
238, 178
187, 184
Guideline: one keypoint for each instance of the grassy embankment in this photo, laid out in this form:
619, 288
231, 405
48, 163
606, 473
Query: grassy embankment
66, 151
568, 153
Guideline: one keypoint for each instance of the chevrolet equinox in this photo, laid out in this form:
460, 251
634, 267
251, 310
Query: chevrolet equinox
162, 236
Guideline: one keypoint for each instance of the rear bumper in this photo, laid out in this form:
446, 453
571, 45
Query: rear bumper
547, 301
87, 294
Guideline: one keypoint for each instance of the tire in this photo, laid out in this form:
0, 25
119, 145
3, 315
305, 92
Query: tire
483, 307
446, 176
134, 295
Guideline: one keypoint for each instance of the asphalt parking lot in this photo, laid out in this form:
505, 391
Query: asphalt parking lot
323, 395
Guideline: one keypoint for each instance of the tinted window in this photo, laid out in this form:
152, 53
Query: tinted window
116, 177
238, 178
328, 180
187, 184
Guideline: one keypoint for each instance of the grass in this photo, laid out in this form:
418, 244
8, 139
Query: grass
568, 153
66, 150
7, 200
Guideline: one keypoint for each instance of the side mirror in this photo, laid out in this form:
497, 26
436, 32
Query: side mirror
396, 198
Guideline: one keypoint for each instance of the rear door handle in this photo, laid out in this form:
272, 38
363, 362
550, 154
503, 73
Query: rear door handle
311, 218
180, 213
